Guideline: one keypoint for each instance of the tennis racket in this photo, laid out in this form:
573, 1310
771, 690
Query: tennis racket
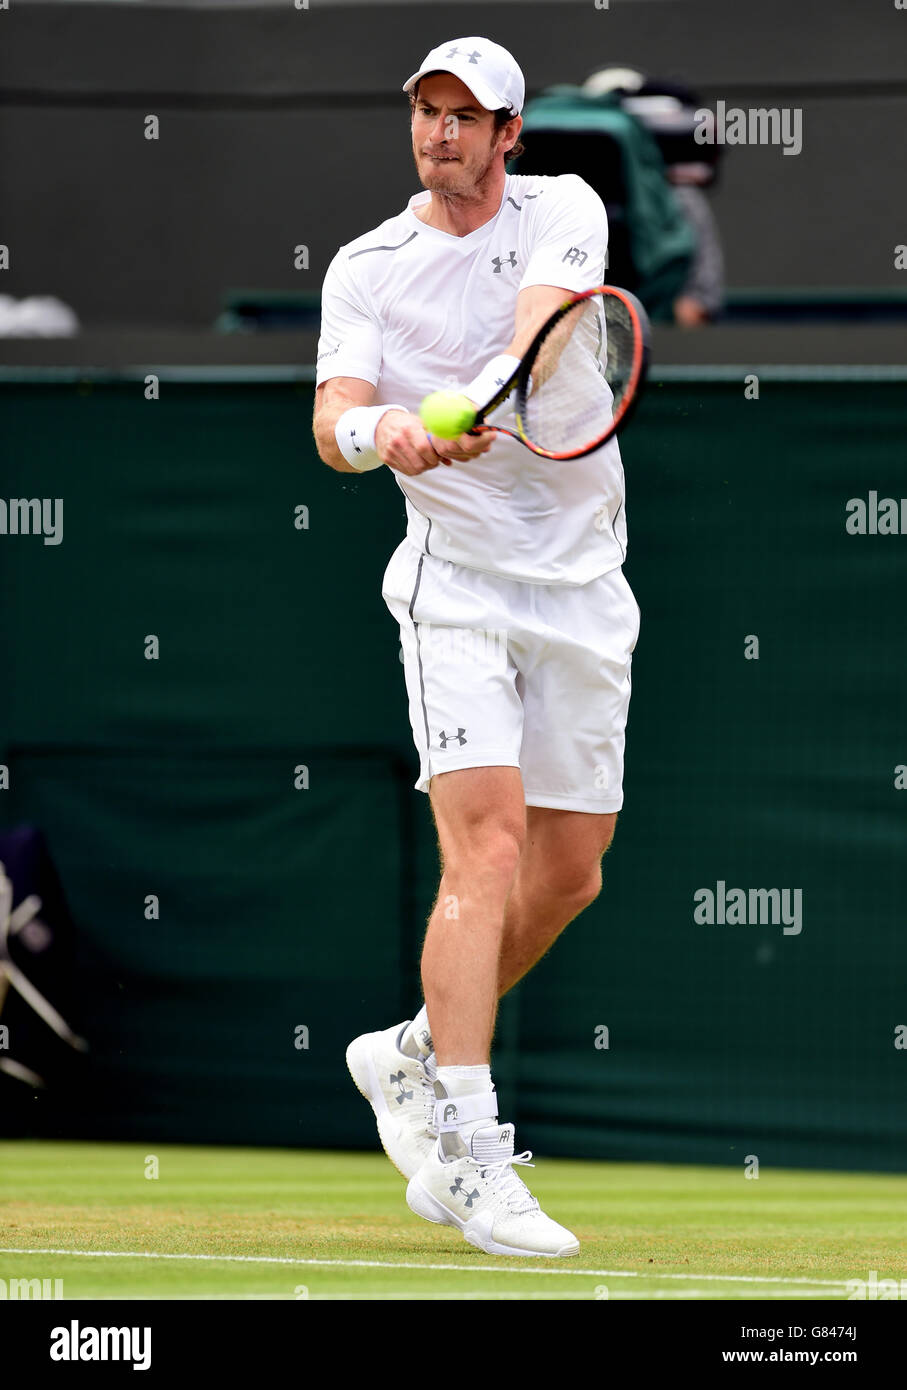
580, 378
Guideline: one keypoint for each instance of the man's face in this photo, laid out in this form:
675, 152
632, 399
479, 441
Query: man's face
455, 143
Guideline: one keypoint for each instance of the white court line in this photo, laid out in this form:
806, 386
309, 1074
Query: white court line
459, 1269
628, 1295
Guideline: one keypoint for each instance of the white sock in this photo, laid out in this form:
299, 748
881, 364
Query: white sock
415, 1040
464, 1081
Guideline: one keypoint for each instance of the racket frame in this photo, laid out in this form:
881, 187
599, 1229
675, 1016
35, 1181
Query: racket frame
520, 378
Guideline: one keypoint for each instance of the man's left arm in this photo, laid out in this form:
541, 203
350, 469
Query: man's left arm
534, 305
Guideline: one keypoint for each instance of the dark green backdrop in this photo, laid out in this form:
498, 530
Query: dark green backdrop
282, 907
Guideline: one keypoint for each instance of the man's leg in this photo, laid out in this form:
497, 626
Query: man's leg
558, 876
486, 912
465, 711
481, 821
468, 1180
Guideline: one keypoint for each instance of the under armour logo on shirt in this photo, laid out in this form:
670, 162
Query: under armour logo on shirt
473, 57
498, 261
444, 738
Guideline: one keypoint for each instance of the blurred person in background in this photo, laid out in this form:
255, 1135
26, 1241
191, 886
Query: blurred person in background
669, 111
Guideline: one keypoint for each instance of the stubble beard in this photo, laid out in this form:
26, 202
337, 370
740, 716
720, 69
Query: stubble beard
468, 187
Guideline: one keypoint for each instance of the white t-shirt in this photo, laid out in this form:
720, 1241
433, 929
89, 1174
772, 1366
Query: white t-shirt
413, 309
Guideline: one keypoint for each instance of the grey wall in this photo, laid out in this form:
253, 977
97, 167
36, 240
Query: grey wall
283, 126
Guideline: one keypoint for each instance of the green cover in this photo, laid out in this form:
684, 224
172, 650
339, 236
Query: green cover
661, 239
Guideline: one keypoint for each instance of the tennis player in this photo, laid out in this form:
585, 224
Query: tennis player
517, 624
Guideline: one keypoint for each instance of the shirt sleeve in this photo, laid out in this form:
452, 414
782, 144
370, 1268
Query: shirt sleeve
350, 340
569, 238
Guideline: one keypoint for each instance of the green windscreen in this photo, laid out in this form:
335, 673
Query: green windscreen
250, 870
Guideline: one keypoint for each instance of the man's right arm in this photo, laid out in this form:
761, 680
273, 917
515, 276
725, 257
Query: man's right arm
400, 438
332, 398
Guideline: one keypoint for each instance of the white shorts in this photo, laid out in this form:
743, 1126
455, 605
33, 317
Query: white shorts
501, 673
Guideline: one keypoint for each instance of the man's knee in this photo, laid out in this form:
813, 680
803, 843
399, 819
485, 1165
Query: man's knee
579, 885
568, 873
481, 820
489, 856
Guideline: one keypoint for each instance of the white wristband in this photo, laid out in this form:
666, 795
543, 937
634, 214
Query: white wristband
355, 435
491, 378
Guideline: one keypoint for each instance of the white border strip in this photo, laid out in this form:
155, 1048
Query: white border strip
276, 375
458, 1269
215, 375
775, 371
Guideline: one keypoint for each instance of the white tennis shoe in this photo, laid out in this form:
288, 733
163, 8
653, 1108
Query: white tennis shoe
401, 1092
484, 1198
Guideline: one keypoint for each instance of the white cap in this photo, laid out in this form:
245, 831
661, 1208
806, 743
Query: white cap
488, 70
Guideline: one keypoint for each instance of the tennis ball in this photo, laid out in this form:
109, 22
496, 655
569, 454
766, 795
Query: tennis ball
447, 414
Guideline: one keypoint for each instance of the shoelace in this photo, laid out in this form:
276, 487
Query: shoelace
510, 1185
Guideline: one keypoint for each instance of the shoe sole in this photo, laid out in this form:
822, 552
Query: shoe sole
421, 1201
361, 1068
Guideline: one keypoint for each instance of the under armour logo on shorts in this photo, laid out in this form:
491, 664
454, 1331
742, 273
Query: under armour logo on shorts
444, 738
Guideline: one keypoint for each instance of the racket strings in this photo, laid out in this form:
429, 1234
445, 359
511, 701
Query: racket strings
580, 375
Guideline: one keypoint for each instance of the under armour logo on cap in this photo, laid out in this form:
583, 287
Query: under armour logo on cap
473, 57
